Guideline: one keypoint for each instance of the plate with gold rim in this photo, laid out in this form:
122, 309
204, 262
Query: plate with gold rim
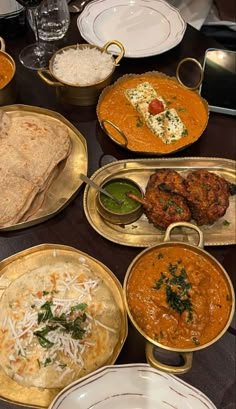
66, 184
50, 256
141, 233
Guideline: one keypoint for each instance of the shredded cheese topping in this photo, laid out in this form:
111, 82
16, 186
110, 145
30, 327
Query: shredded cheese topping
54, 322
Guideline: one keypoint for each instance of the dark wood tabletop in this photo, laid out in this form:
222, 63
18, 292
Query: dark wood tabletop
213, 370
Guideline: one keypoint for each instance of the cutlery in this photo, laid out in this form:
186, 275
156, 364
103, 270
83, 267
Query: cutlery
99, 188
77, 6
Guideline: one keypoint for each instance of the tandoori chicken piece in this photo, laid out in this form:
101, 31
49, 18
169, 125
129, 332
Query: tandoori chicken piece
207, 195
163, 208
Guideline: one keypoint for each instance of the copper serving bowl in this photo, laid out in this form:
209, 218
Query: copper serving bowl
119, 216
134, 134
185, 352
76, 94
8, 92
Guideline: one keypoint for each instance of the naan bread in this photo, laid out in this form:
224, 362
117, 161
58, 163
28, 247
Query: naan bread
31, 147
17, 195
40, 301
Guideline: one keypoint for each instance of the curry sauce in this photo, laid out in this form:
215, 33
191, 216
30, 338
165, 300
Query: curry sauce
115, 107
178, 298
6, 71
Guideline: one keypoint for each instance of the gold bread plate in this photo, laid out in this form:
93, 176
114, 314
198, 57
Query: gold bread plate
65, 186
13, 267
143, 234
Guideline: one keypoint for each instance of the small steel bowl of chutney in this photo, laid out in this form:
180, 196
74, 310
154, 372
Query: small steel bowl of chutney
122, 209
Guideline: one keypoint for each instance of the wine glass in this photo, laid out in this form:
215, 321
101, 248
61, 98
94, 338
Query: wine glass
53, 20
35, 56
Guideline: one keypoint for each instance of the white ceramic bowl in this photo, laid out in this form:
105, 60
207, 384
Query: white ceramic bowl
130, 386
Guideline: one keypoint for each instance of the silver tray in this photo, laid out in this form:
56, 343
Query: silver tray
143, 234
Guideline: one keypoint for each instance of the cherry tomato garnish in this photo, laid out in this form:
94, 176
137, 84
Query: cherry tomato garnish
155, 107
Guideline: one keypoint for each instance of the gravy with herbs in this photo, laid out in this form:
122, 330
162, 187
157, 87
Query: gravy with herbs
177, 297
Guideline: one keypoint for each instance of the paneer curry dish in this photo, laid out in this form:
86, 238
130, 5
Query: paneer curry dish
177, 297
152, 113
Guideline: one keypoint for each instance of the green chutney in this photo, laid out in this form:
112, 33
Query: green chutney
119, 190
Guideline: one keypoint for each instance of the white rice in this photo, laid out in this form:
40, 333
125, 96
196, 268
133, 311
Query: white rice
85, 66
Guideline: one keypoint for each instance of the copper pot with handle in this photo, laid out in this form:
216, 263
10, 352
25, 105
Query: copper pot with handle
140, 263
79, 94
8, 92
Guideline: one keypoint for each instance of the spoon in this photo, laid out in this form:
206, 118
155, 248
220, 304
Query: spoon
77, 6
99, 188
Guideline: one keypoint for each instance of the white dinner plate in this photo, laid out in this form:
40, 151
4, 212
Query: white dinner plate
134, 386
144, 27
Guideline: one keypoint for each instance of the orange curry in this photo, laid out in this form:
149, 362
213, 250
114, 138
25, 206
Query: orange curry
178, 298
115, 106
6, 70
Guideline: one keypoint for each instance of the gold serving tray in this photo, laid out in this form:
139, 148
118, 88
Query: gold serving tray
27, 260
66, 184
143, 234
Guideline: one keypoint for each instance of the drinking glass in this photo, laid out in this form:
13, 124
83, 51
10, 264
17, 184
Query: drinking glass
37, 55
53, 20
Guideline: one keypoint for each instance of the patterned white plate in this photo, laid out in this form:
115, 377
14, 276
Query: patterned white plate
144, 27
131, 386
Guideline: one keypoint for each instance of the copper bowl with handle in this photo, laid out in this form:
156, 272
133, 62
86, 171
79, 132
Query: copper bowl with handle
83, 95
166, 315
126, 126
8, 91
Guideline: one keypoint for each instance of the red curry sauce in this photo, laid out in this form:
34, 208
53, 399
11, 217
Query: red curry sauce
6, 70
114, 106
178, 298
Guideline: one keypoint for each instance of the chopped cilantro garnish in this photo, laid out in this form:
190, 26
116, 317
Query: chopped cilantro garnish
62, 322
176, 288
195, 341
47, 362
139, 122
181, 109
178, 210
81, 306
184, 133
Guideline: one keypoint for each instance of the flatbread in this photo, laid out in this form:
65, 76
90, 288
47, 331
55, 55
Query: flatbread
16, 197
72, 290
39, 198
31, 147
43, 144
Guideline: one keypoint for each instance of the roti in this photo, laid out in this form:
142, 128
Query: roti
31, 147
58, 322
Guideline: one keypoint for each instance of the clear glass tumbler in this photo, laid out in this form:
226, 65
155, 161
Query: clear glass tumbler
53, 20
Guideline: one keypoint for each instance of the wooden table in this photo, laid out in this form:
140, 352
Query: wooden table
213, 368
